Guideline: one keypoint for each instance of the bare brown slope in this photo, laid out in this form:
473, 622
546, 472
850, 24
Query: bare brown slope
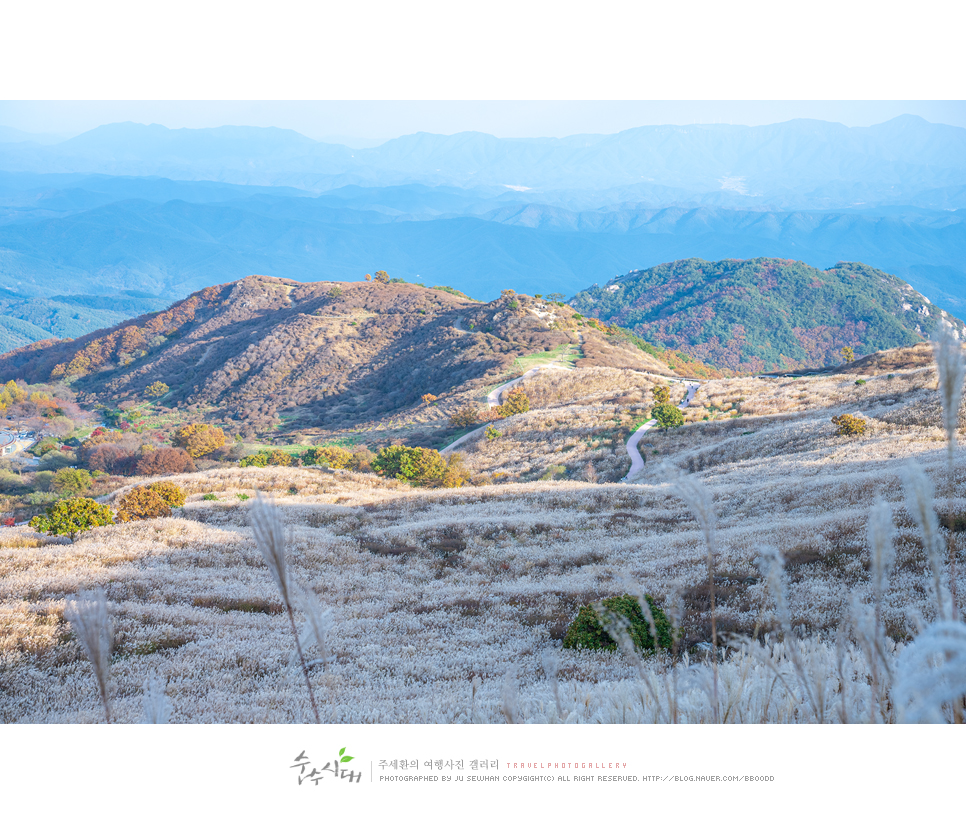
322, 354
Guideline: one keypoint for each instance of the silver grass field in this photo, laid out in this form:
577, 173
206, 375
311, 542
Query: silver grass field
810, 576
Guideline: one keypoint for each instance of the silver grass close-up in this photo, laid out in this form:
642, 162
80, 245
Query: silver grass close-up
931, 674
156, 707
89, 619
951, 368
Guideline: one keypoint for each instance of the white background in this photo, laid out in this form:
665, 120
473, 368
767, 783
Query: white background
239, 776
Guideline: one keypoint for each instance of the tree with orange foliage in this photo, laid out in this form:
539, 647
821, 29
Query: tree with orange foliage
199, 439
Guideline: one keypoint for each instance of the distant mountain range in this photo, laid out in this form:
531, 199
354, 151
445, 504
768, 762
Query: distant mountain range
90, 235
766, 314
153, 214
799, 163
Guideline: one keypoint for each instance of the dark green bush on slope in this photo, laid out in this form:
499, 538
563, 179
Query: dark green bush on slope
586, 630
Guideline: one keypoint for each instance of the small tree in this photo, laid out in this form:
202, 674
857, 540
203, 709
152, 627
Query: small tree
157, 389
667, 416
111, 458
338, 458
465, 417
142, 503
71, 481
335, 292
849, 425
492, 433
848, 354
368, 277
456, 473
362, 460
199, 439
662, 394
171, 493
516, 402
418, 465
69, 517
430, 398
164, 461
382, 277
278, 458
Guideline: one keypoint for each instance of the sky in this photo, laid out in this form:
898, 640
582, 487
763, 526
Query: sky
363, 123
364, 73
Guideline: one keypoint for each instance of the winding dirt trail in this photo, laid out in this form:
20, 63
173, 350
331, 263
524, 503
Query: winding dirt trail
493, 399
637, 461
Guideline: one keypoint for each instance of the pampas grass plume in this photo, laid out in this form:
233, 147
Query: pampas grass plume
88, 617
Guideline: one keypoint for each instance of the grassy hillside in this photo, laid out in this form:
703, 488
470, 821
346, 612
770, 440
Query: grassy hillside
450, 606
327, 356
764, 314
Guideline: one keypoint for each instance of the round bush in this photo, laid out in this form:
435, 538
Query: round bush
141, 503
173, 495
667, 415
586, 630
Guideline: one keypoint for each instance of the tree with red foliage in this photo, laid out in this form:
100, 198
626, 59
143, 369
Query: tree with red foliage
111, 459
164, 461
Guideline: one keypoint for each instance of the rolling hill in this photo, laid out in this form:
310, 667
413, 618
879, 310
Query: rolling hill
765, 314
322, 355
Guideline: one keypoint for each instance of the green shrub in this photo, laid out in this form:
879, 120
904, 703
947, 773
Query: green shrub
338, 458
258, 459
278, 458
667, 415
243, 496
142, 503
172, 494
860, 382
209, 497
72, 516
419, 465
586, 631
849, 425
71, 482
416, 464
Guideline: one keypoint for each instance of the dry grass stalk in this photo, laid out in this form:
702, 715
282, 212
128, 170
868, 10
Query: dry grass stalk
88, 617
156, 708
951, 368
270, 537
919, 501
696, 496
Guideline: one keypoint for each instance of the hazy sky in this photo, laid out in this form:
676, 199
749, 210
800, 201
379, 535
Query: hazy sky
379, 120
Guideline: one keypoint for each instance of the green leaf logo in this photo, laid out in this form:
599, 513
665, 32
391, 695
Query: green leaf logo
343, 758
